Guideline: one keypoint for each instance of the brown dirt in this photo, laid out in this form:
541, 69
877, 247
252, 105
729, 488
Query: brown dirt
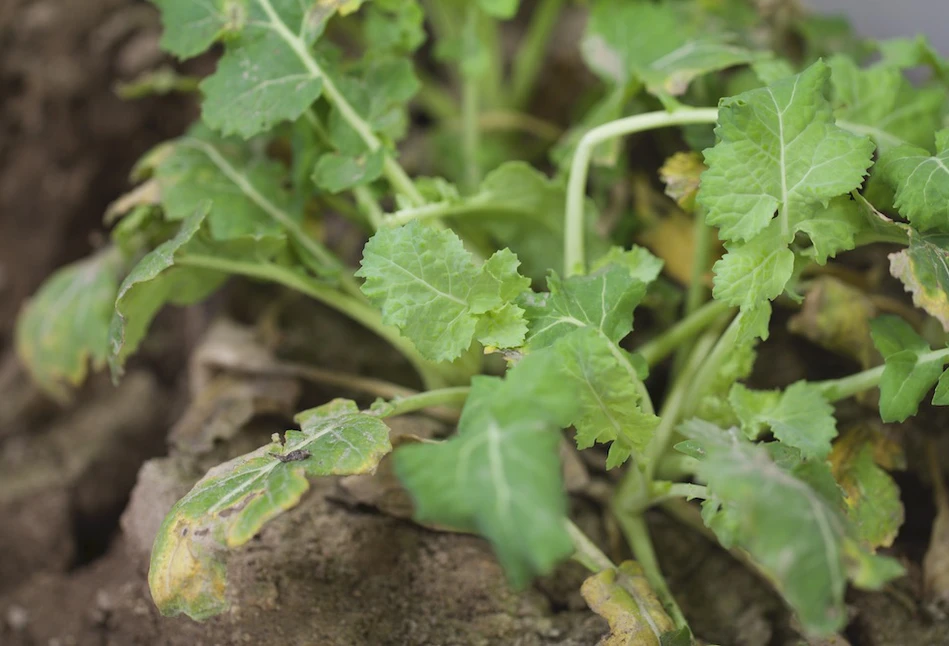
325, 573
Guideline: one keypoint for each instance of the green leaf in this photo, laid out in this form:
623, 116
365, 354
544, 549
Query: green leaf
152, 283
941, 396
336, 172
231, 504
755, 271
427, 285
189, 28
583, 318
871, 497
923, 269
642, 265
630, 606
379, 91
500, 476
655, 43
921, 182
603, 301
266, 75
394, 26
604, 384
781, 146
908, 53
503, 9
799, 417
63, 330
880, 102
522, 209
801, 542
911, 367
160, 278
246, 190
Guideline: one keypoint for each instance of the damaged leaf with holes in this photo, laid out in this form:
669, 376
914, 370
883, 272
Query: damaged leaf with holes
229, 505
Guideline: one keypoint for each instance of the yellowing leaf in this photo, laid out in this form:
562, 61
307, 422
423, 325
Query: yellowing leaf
230, 504
631, 608
858, 460
924, 272
681, 174
64, 328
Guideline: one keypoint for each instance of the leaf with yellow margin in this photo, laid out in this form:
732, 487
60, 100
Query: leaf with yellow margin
859, 461
635, 615
227, 507
924, 272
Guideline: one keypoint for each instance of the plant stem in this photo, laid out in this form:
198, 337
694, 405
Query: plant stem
685, 490
470, 103
672, 407
369, 206
836, 389
323, 255
587, 553
574, 249
702, 238
394, 173
682, 332
354, 309
637, 535
528, 61
454, 397
706, 372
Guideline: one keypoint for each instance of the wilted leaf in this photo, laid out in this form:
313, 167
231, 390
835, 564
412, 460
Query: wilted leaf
859, 461
837, 317
624, 598
64, 328
681, 174
227, 507
924, 272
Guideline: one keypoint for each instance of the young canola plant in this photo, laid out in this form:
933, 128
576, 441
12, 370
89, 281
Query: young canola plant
811, 157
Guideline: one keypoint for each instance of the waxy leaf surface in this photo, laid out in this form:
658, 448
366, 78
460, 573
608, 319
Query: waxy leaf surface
797, 537
427, 285
500, 476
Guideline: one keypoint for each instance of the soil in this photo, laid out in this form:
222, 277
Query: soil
83, 487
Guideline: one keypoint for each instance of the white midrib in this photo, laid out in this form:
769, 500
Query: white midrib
783, 214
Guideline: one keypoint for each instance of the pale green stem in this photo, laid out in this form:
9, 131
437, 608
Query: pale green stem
836, 389
709, 368
698, 293
682, 332
586, 553
637, 535
529, 60
354, 309
454, 397
681, 490
470, 106
369, 206
574, 249
675, 400
394, 173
